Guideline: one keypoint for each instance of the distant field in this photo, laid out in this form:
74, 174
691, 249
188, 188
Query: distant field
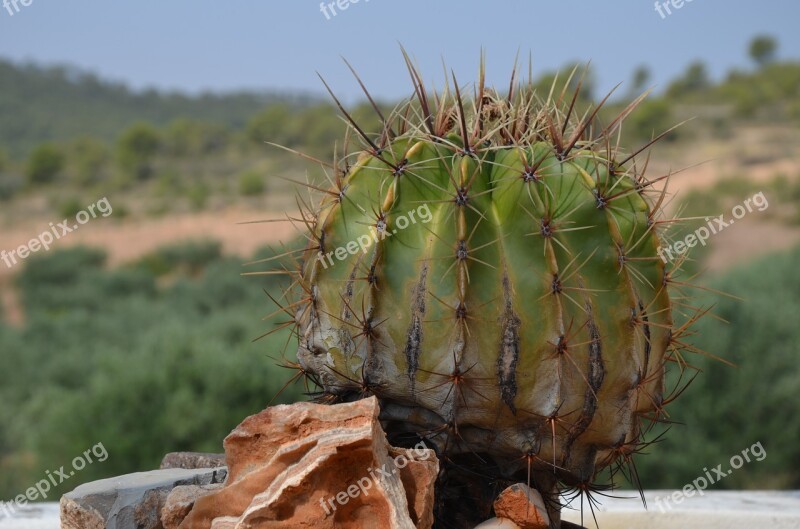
129, 239
714, 161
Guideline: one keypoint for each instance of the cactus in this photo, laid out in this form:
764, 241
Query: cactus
488, 268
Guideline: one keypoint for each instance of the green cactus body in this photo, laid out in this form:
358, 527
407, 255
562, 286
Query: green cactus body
491, 275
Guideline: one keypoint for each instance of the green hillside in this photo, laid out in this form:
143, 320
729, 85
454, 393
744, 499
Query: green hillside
57, 103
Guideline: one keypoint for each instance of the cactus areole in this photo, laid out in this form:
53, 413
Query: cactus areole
488, 268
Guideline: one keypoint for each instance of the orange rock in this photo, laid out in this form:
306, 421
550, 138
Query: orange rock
419, 480
180, 501
523, 506
311, 465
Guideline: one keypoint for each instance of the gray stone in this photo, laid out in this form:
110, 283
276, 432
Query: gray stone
192, 460
129, 502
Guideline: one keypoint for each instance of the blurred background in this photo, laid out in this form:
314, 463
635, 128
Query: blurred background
137, 329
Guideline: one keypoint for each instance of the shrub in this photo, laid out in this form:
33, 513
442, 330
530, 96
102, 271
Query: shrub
44, 164
185, 137
198, 195
136, 149
10, 184
60, 266
651, 118
69, 207
727, 409
251, 183
190, 257
270, 125
88, 161
106, 356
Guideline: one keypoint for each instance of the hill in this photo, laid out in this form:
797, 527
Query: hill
57, 103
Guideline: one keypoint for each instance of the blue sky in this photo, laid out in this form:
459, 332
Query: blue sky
195, 45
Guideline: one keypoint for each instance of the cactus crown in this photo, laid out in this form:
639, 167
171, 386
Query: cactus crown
488, 267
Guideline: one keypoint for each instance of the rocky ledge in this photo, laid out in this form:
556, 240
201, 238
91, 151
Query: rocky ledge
304, 465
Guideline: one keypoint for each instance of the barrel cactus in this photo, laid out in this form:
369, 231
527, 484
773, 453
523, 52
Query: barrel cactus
488, 267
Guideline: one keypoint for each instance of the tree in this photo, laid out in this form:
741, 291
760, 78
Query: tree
694, 80
762, 50
573, 74
251, 184
651, 118
271, 125
44, 164
9, 182
696, 76
88, 160
136, 149
641, 76
187, 137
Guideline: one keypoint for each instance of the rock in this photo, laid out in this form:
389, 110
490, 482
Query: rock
497, 523
312, 465
226, 522
419, 480
192, 460
128, 502
522, 505
181, 500
147, 513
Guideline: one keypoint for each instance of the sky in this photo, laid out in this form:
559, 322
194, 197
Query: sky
198, 45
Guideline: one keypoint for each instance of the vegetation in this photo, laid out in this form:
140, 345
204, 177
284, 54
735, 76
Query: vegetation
147, 359
157, 356
45, 163
136, 149
729, 408
59, 103
762, 49
98, 135
251, 183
